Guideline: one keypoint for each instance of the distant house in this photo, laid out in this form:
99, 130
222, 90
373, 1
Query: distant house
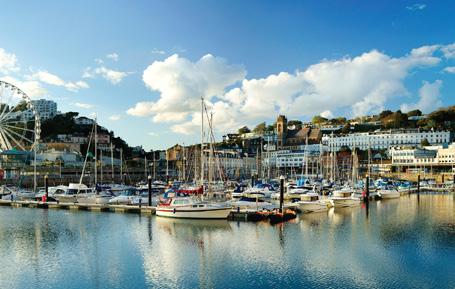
287, 137
82, 120
417, 117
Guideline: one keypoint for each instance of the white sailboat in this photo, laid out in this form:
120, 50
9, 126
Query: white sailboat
191, 207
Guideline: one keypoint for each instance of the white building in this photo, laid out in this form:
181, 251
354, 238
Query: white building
431, 155
385, 139
82, 120
46, 109
289, 158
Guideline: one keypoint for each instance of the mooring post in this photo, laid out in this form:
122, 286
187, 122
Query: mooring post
149, 178
46, 186
418, 184
367, 188
281, 193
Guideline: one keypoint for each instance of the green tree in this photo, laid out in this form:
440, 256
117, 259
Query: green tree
296, 123
384, 114
415, 112
21, 106
317, 119
243, 130
424, 143
260, 128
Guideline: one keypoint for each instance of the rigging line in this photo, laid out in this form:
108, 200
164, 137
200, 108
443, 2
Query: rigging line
85, 160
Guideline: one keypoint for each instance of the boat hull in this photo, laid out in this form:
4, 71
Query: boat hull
389, 194
190, 213
310, 207
345, 202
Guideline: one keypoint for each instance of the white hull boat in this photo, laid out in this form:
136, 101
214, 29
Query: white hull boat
389, 194
344, 198
310, 207
312, 202
187, 208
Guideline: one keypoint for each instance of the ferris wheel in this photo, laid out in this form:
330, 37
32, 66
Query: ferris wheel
20, 125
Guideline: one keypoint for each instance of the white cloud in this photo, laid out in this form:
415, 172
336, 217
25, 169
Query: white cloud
450, 69
361, 84
111, 75
152, 134
52, 79
449, 51
429, 98
416, 6
83, 105
8, 62
182, 83
113, 56
32, 88
157, 51
115, 117
99, 61
327, 114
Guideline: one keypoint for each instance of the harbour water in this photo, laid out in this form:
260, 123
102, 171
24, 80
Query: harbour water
398, 243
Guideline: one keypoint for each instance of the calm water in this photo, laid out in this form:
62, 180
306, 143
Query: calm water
405, 243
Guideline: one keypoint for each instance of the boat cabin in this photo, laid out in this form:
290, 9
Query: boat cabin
309, 198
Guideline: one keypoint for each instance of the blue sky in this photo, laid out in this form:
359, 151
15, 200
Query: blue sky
250, 59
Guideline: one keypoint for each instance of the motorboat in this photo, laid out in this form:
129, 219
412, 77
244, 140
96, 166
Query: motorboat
344, 198
252, 202
125, 198
293, 192
51, 191
389, 193
74, 191
311, 202
192, 208
266, 189
100, 198
16, 194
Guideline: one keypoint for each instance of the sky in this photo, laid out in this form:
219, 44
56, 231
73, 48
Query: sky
142, 66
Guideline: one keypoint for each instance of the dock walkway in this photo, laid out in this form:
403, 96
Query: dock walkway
135, 209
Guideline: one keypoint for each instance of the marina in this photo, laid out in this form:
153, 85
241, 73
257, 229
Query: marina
227, 144
396, 243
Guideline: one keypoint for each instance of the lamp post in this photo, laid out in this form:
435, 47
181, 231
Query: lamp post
149, 178
281, 193
46, 186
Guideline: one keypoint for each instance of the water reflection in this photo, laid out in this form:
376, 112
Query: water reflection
406, 242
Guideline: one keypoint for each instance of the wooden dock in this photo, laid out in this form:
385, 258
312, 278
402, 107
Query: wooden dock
134, 209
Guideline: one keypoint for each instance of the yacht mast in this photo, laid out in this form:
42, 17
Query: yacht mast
101, 165
306, 157
184, 163
112, 163
145, 166
96, 152
121, 165
202, 141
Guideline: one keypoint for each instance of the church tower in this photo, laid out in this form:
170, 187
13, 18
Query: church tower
281, 130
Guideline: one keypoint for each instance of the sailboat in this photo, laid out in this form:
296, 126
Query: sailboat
190, 206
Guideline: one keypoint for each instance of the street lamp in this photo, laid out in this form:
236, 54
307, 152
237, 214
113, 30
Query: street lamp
281, 193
